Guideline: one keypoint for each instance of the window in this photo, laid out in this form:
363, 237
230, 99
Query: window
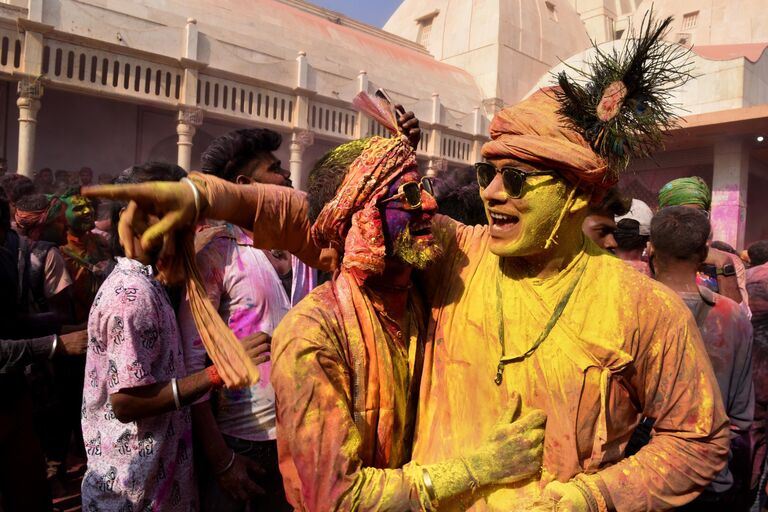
619, 33
552, 11
689, 20
425, 28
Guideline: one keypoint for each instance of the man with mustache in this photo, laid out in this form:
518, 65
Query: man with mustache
347, 360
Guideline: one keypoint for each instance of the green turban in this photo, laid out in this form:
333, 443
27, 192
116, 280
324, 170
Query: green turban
683, 191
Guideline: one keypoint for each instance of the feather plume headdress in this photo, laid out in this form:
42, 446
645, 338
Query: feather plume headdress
622, 104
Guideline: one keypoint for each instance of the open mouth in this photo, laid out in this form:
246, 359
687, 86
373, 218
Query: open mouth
501, 220
421, 229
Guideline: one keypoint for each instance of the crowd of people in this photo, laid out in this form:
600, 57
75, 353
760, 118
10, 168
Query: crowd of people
516, 336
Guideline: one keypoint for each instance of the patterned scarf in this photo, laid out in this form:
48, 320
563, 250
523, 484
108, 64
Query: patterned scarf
31, 222
351, 222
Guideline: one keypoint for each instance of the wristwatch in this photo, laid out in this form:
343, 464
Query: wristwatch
728, 270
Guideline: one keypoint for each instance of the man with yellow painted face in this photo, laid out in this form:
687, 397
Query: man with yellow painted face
530, 305
86, 254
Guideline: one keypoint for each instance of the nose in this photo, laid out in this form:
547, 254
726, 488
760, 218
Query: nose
609, 243
428, 202
494, 192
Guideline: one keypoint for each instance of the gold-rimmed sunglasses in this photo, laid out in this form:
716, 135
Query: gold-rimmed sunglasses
410, 193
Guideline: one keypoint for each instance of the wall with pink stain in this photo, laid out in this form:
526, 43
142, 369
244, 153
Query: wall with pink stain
728, 215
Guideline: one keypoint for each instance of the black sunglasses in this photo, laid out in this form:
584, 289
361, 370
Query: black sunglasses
512, 178
410, 192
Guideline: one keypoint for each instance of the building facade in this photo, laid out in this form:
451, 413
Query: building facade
106, 84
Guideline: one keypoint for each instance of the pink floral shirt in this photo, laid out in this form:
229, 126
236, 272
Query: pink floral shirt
145, 465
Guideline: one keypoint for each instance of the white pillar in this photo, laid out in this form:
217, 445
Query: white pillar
30, 92
188, 121
300, 140
729, 192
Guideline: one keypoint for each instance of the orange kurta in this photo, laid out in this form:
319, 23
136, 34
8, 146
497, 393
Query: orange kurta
624, 347
346, 401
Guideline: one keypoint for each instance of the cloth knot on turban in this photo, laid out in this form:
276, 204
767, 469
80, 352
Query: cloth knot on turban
534, 132
31, 220
691, 190
351, 222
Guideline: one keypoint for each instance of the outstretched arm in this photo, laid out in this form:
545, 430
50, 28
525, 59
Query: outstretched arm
277, 215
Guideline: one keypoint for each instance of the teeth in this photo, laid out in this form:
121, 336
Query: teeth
499, 216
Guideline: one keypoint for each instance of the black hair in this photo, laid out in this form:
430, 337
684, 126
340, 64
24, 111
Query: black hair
458, 196
226, 155
16, 186
328, 173
149, 171
681, 233
628, 235
723, 246
33, 203
613, 203
758, 252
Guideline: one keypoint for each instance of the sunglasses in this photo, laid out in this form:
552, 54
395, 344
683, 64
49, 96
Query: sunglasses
410, 193
512, 178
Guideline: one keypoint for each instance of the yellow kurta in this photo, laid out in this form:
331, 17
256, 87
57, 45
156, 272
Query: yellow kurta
624, 347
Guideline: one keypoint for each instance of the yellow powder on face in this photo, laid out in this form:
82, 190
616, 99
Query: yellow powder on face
539, 210
417, 253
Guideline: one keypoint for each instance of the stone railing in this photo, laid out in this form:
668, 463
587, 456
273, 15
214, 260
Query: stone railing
41, 56
96, 70
244, 102
11, 42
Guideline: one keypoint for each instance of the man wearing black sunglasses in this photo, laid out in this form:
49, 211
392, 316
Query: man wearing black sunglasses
528, 307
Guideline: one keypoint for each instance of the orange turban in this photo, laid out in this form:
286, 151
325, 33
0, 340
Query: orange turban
534, 132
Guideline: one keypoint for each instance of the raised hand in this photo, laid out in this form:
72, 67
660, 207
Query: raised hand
173, 203
409, 124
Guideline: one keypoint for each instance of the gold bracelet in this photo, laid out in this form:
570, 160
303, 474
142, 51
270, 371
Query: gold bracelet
602, 505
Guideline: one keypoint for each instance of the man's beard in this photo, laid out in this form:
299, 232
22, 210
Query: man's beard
418, 253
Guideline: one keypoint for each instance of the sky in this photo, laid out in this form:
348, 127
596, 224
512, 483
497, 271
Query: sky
373, 12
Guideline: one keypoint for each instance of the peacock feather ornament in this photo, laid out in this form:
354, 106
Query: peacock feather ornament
622, 103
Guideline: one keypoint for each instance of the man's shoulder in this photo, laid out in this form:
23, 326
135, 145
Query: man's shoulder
133, 284
320, 304
728, 309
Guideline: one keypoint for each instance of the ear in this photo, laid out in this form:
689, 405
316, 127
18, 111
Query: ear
242, 180
651, 250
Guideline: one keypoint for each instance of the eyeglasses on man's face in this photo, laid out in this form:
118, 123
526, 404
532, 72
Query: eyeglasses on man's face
410, 193
512, 177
